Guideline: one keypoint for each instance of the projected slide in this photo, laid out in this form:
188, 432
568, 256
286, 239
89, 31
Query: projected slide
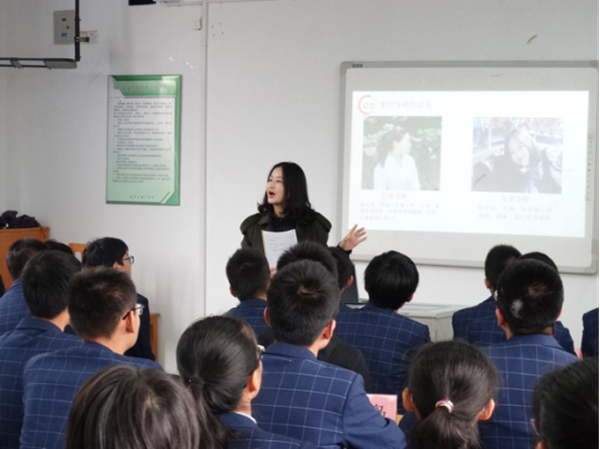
512, 162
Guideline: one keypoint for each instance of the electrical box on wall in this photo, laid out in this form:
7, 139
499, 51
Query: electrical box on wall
64, 27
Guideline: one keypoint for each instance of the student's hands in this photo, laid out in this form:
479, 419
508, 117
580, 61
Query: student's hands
354, 238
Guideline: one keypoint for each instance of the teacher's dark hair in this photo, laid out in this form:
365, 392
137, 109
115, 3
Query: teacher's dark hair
216, 357
565, 406
297, 205
457, 371
122, 407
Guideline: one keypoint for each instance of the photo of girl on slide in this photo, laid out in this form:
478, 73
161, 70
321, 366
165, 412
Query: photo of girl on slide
522, 155
401, 153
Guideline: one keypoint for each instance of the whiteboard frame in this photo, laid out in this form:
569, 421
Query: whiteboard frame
345, 156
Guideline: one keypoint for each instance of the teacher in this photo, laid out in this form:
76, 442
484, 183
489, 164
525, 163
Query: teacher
285, 206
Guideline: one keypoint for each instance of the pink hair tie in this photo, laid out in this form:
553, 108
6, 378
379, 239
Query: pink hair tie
445, 403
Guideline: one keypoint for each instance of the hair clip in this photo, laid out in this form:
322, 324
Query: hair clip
445, 403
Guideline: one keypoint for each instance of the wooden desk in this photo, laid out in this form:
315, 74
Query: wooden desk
8, 237
154, 333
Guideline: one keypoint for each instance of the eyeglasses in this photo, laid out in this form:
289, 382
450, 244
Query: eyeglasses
139, 308
130, 258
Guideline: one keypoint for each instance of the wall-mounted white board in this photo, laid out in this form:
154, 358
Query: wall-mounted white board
444, 160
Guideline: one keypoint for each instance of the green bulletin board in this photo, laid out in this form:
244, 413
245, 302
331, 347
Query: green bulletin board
144, 116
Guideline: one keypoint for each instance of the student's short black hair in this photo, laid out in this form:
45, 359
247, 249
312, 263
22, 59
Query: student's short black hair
536, 255
19, 253
104, 252
565, 406
344, 265
530, 296
497, 259
390, 279
309, 251
98, 299
53, 245
132, 408
248, 273
45, 281
302, 300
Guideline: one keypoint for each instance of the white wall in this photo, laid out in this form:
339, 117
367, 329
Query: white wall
273, 94
56, 127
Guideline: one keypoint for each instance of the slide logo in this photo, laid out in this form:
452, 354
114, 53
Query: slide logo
366, 105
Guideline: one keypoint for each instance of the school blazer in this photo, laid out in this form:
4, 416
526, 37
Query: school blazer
31, 337
589, 341
250, 436
50, 382
13, 308
520, 361
319, 403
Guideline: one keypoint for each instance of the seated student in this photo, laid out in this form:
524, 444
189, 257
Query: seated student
529, 300
565, 407
44, 281
53, 245
248, 274
386, 338
337, 352
128, 408
589, 341
302, 397
219, 360
105, 315
485, 331
497, 259
451, 386
114, 253
345, 274
12, 304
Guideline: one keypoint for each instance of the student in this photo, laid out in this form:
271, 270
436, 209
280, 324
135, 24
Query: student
302, 397
346, 278
565, 407
114, 253
44, 281
478, 325
248, 274
497, 259
105, 315
337, 352
386, 338
589, 341
128, 408
219, 360
451, 386
529, 300
12, 304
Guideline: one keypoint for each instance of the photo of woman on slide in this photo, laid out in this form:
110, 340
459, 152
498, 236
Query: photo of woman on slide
517, 155
401, 153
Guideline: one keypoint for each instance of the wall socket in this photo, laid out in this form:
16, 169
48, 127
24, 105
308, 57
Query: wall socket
89, 37
64, 27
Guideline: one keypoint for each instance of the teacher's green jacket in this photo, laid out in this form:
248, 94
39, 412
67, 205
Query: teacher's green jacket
315, 231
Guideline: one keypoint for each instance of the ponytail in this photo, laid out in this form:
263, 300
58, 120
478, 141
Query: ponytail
216, 357
451, 383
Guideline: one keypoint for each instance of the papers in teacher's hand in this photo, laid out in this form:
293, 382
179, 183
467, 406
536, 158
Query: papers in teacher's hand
276, 243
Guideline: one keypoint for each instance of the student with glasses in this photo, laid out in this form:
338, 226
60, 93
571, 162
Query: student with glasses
105, 315
220, 362
114, 253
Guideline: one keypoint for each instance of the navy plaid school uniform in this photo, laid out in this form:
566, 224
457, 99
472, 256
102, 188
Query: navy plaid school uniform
387, 340
319, 403
589, 341
478, 325
250, 436
30, 338
520, 361
50, 382
13, 308
252, 311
